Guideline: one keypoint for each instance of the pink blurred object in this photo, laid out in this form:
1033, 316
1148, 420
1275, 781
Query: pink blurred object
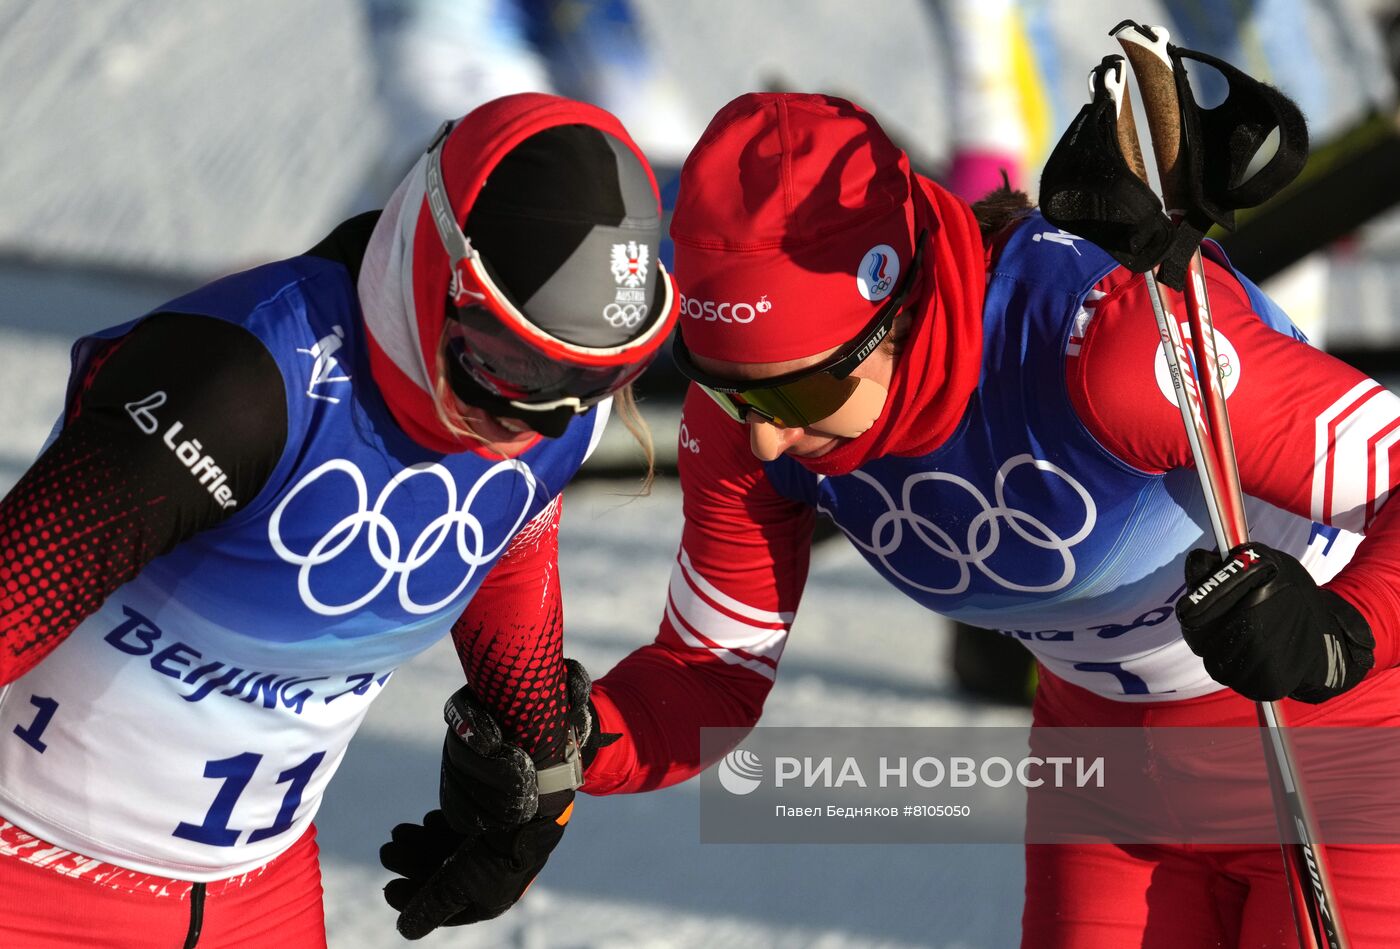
973, 173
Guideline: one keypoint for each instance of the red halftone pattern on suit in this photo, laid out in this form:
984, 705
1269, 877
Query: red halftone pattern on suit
511, 641
74, 529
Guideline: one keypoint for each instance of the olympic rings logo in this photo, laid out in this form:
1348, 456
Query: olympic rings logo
984, 531
627, 315
385, 545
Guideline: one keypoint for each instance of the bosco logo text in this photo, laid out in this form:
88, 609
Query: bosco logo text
723, 312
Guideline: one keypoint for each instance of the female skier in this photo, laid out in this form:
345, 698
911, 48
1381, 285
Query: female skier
975, 399
267, 494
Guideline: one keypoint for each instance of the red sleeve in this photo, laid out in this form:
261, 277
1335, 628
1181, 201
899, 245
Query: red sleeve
510, 639
733, 594
1313, 435
110, 494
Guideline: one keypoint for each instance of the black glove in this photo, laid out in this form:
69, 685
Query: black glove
450, 879
1267, 630
500, 818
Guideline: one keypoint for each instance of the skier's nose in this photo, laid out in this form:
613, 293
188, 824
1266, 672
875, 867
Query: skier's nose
769, 441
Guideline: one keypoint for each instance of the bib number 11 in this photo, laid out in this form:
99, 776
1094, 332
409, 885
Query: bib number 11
237, 773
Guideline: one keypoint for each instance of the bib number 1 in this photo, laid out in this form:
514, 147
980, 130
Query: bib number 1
30, 734
1130, 683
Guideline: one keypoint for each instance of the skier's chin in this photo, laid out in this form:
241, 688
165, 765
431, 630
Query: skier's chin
824, 445
507, 437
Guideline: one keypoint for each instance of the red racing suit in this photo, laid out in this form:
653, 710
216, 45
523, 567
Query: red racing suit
1315, 439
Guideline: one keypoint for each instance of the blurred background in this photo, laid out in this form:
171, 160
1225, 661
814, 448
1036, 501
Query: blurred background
150, 145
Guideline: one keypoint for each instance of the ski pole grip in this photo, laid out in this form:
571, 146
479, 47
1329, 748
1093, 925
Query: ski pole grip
1111, 77
1146, 49
1128, 142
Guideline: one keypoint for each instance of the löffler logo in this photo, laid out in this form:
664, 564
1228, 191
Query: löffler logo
190, 452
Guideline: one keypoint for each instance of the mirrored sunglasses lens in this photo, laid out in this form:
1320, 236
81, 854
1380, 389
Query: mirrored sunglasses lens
803, 401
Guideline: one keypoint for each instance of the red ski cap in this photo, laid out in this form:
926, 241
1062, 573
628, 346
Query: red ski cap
793, 224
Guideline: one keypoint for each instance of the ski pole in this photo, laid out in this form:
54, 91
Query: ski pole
1147, 54
1309, 882
1184, 382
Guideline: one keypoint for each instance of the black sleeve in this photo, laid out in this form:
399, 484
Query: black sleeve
173, 430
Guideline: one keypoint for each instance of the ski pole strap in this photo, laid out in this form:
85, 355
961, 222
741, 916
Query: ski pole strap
1214, 161
1224, 145
1089, 189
